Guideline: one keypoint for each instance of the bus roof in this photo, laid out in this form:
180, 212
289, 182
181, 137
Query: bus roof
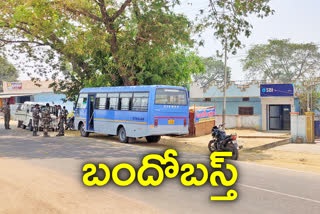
127, 88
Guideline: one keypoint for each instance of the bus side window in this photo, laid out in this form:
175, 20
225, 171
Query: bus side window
125, 101
82, 101
113, 101
140, 102
101, 101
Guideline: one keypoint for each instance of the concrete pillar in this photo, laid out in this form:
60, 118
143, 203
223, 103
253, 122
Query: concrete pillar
310, 126
264, 116
294, 125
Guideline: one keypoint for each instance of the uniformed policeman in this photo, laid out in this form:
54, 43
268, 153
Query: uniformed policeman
35, 119
61, 114
7, 116
46, 119
65, 114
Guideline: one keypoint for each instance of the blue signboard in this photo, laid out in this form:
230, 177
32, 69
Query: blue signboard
203, 115
276, 90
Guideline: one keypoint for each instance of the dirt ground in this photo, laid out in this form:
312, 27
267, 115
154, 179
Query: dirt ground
302, 161
38, 190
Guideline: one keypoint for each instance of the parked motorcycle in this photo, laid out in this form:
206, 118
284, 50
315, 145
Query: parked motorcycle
70, 124
222, 142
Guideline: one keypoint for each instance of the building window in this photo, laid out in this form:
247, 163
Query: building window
245, 110
245, 99
207, 99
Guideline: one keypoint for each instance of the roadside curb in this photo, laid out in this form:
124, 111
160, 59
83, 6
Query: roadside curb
275, 137
270, 145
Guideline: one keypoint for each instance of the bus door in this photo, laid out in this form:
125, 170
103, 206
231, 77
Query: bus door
90, 113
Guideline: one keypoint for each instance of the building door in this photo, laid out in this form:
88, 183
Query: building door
279, 117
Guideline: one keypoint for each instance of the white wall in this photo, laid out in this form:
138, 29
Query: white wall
240, 121
252, 121
196, 91
298, 127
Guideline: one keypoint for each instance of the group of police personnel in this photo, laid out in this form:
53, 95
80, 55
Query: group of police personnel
45, 118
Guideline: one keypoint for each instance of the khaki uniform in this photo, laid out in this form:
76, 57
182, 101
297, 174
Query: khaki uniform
46, 119
65, 115
7, 117
35, 120
61, 122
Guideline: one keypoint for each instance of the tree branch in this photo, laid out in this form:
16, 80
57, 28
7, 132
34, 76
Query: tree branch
103, 11
85, 13
120, 11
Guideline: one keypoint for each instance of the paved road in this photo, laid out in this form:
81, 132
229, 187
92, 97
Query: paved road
261, 189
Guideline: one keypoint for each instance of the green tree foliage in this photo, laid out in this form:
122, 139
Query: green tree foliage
7, 71
282, 60
129, 42
214, 72
230, 19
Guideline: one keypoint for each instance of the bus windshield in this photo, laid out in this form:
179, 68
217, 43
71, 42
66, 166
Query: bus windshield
167, 96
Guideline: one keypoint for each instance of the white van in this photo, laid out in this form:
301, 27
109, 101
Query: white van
24, 116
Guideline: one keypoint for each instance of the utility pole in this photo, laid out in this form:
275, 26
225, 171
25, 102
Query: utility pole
311, 97
225, 84
308, 109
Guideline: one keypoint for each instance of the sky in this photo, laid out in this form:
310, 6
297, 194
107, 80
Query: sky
297, 20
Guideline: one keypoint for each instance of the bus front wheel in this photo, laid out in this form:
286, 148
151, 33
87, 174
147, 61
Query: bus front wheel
153, 139
83, 131
122, 135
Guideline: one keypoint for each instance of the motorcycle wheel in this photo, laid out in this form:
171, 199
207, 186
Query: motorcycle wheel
235, 153
211, 146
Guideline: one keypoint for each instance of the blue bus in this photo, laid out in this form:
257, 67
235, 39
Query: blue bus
133, 112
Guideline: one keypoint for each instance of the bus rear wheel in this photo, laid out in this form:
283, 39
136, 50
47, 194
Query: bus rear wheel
153, 139
83, 131
122, 135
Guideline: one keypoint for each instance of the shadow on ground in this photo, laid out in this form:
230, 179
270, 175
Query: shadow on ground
18, 143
